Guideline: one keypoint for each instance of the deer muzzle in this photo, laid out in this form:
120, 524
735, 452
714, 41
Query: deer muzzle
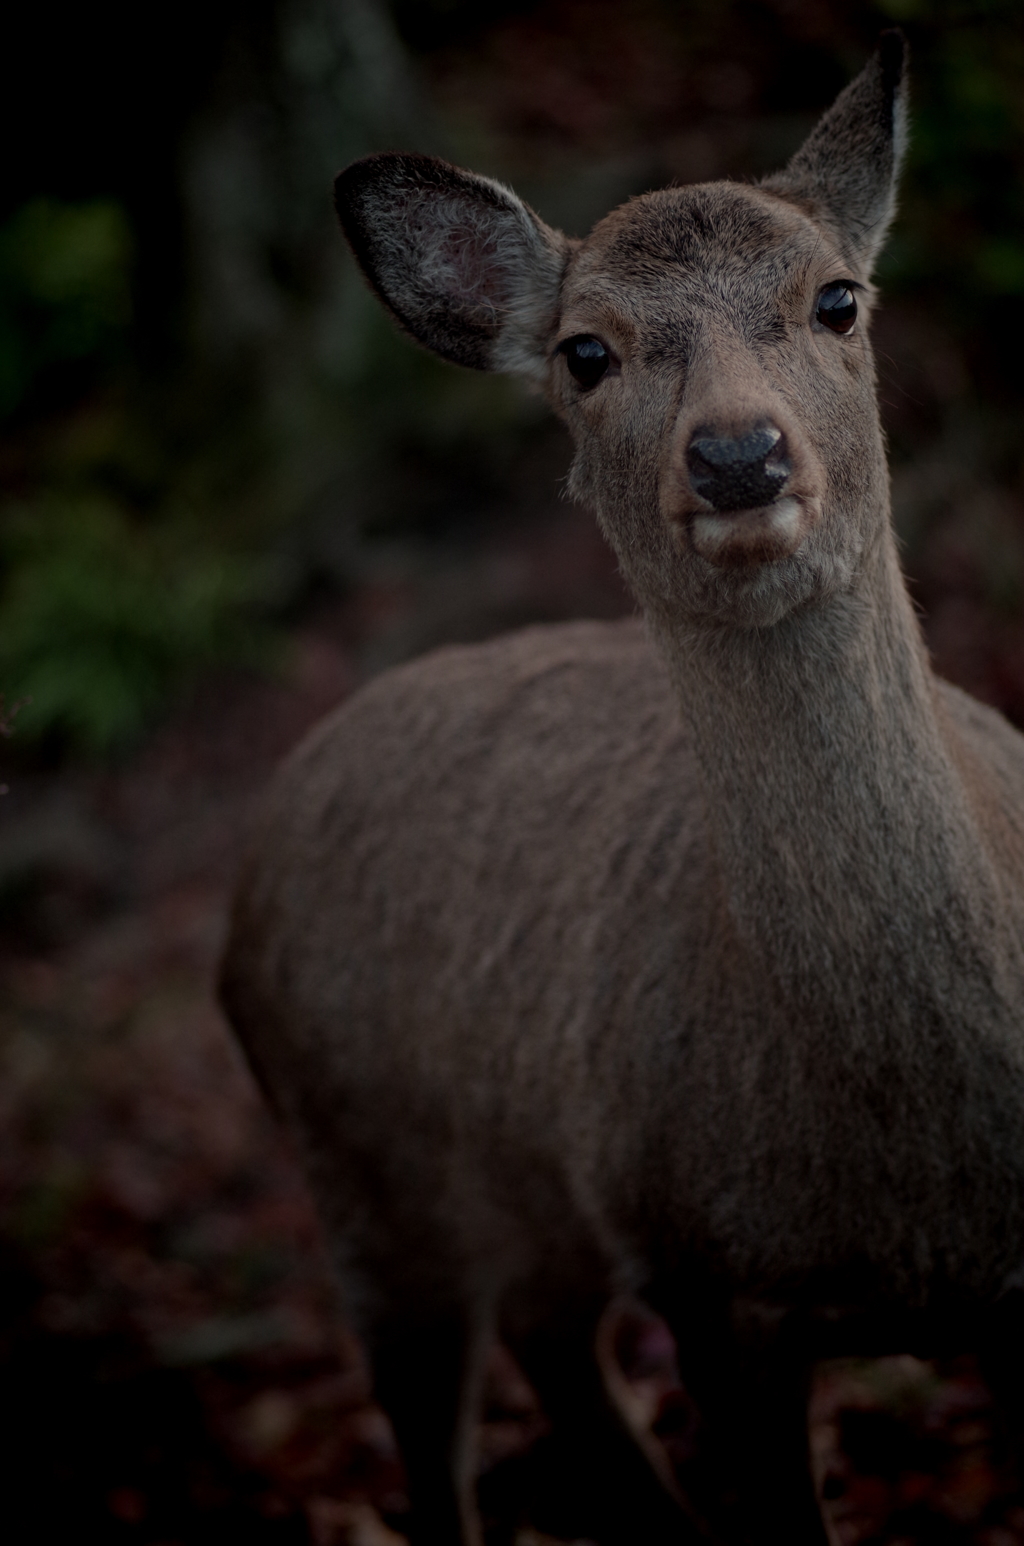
743, 498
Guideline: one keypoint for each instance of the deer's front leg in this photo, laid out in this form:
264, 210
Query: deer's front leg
428, 1377
590, 1476
750, 1477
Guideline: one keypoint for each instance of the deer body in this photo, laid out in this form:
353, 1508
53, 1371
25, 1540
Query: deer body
705, 1102
683, 957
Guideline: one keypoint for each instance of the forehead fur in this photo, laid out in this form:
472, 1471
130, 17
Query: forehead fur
719, 237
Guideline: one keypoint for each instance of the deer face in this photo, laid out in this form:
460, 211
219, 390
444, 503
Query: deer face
725, 425
702, 344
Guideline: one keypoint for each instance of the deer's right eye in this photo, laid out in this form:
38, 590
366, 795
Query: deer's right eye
587, 359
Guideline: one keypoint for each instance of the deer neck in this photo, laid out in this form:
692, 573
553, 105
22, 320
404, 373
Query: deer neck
849, 852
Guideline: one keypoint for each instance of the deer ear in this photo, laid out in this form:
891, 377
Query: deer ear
845, 174
460, 262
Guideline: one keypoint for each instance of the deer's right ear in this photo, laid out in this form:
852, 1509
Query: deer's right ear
460, 262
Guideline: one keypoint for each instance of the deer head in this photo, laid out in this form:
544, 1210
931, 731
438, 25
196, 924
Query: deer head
706, 346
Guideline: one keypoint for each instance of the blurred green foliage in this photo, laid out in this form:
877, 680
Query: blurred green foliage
103, 614
102, 618
65, 295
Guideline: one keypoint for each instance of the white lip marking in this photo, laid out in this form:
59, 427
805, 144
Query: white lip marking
714, 533
785, 516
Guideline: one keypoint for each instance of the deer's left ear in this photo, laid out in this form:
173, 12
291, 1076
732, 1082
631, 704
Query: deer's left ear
845, 173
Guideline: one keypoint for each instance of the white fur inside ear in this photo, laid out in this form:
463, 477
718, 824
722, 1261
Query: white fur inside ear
900, 131
532, 259
455, 249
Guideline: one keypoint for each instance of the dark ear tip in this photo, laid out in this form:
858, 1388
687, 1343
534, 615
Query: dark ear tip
390, 169
347, 186
357, 174
343, 190
892, 57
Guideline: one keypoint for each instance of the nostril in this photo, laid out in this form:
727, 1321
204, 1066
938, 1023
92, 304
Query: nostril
739, 472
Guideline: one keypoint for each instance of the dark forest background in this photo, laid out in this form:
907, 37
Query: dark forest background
228, 494
207, 424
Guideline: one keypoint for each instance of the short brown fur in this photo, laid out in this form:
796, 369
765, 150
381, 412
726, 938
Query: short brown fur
682, 957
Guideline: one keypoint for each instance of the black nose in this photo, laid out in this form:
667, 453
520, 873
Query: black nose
739, 474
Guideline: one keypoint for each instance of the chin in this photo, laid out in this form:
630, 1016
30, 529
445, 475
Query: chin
761, 594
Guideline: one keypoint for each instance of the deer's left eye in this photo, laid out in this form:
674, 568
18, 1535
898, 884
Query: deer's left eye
587, 359
837, 308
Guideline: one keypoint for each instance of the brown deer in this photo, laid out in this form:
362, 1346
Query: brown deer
681, 957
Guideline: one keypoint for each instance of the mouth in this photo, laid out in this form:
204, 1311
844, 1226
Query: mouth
741, 538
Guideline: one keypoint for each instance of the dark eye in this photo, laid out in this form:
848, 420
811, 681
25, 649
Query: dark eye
837, 308
587, 359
